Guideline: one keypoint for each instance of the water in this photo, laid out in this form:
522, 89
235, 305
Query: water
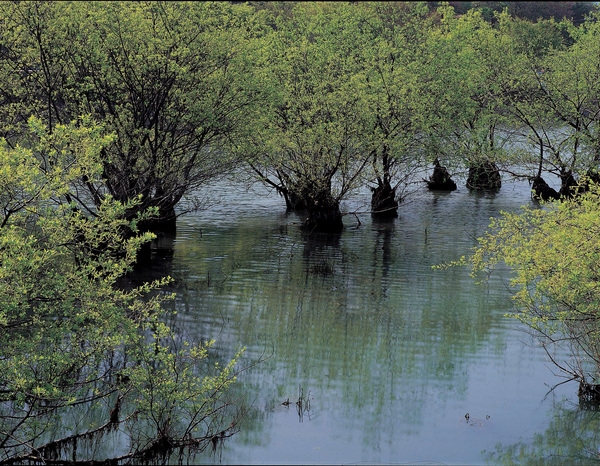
387, 354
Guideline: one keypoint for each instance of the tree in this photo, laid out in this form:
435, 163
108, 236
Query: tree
570, 92
529, 11
308, 144
533, 39
173, 81
470, 60
520, 94
536, 11
553, 253
392, 73
82, 358
554, 103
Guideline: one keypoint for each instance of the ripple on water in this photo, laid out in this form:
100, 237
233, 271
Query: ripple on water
393, 352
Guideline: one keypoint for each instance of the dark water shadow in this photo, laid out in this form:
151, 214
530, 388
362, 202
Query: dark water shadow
154, 262
316, 242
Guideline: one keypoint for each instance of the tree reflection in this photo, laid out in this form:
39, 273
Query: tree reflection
573, 437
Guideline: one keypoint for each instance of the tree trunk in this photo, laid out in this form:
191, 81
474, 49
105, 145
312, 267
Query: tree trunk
166, 222
383, 201
542, 191
484, 176
324, 214
294, 202
568, 184
440, 179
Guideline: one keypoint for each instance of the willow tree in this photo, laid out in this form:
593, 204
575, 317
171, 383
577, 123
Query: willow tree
523, 98
553, 254
392, 74
173, 81
32, 75
308, 145
468, 62
568, 86
83, 361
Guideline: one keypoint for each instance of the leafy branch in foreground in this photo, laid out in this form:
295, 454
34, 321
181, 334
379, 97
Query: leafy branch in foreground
89, 371
554, 254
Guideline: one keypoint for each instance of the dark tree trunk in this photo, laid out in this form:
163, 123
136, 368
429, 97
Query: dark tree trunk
440, 179
314, 199
383, 201
542, 191
294, 202
165, 229
166, 222
568, 184
589, 396
484, 176
324, 214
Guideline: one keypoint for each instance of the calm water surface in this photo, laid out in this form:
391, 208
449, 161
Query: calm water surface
387, 354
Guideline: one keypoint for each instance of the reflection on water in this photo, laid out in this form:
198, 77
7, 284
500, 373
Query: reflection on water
571, 437
388, 354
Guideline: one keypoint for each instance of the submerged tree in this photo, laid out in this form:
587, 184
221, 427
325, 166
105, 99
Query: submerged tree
553, 102
392, 70
308, 145
569, 86
470, 61
84, 362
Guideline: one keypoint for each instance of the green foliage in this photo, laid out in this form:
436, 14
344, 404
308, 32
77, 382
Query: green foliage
320, 98
392, 76
309, 143
571, 95
535, 39
346, 104
555, 107
470, 64
81, 357
529, 11
554, 254
364, 92
172, 80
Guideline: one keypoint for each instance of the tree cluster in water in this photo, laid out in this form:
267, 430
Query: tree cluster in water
111, 113
314, 99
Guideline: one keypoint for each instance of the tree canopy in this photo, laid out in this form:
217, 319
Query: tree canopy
172, 80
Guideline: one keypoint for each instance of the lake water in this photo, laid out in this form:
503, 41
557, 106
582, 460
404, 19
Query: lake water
387, 354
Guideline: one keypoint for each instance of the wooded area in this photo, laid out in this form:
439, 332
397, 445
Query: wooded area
112, 113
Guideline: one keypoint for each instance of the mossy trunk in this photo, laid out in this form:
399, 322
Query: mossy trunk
440, 179
484, 176
316, 201
324, 214
383, 201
